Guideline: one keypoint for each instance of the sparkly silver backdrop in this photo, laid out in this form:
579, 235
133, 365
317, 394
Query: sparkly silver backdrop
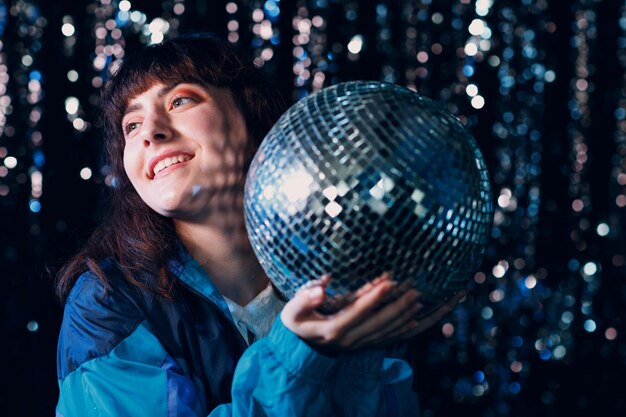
366, 177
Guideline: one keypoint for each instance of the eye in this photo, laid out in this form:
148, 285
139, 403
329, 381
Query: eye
130, 127
181, 101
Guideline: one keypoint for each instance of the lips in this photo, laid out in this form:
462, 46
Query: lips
166, 160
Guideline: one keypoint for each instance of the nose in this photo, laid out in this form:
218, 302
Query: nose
155, 128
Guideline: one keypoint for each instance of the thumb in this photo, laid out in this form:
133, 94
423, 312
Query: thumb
304, 303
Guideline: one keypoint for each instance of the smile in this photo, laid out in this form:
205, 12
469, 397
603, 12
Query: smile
168, 162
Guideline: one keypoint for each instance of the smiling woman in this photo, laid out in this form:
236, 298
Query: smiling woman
132, 234
184, 147
164, 302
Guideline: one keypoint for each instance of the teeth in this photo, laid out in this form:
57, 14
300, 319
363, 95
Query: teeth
168, 162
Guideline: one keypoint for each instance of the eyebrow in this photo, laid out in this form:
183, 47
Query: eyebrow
138, 106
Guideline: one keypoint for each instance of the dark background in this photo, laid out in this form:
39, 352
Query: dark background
542, 332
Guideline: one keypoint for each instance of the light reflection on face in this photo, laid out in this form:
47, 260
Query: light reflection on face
184, 148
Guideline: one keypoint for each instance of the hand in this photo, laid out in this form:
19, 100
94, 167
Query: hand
426, 322
367, 321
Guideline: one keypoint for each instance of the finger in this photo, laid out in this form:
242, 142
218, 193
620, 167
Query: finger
446, 308
388, 337
324, 280
459, 298
413, 327
387, 319
359, 311
405, 316
405, 332
303, 304
331, 329
435, 317
367, 287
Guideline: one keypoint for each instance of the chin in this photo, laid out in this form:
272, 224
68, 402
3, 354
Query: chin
168, 204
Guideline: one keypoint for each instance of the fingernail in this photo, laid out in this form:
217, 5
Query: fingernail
316, 293
390, 285
384, 276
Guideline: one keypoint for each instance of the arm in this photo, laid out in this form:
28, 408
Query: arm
109, 363
282, 375
137, 378
286, 373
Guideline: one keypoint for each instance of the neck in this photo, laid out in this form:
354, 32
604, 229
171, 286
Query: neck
222, 248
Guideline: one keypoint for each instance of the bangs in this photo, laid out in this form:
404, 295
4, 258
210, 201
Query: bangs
184, 60
200, 59
139, 73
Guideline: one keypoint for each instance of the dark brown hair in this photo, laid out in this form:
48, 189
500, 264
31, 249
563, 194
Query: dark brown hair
134, 236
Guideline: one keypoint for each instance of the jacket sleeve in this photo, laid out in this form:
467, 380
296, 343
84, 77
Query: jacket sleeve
281, 375
109, 363
126, 383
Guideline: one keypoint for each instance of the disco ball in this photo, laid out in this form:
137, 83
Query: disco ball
366, 177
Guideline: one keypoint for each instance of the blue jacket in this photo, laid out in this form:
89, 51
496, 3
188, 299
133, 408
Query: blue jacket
126, 352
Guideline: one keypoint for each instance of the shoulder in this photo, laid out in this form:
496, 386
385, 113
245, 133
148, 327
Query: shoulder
97, 318
91, 297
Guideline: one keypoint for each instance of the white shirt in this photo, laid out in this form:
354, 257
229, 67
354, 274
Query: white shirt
257, 317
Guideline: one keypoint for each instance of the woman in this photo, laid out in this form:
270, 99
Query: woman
166, 296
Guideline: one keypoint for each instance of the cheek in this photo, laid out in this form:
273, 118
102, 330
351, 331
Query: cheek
130, 162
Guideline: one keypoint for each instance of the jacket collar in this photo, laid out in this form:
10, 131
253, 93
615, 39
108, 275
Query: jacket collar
189, 271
